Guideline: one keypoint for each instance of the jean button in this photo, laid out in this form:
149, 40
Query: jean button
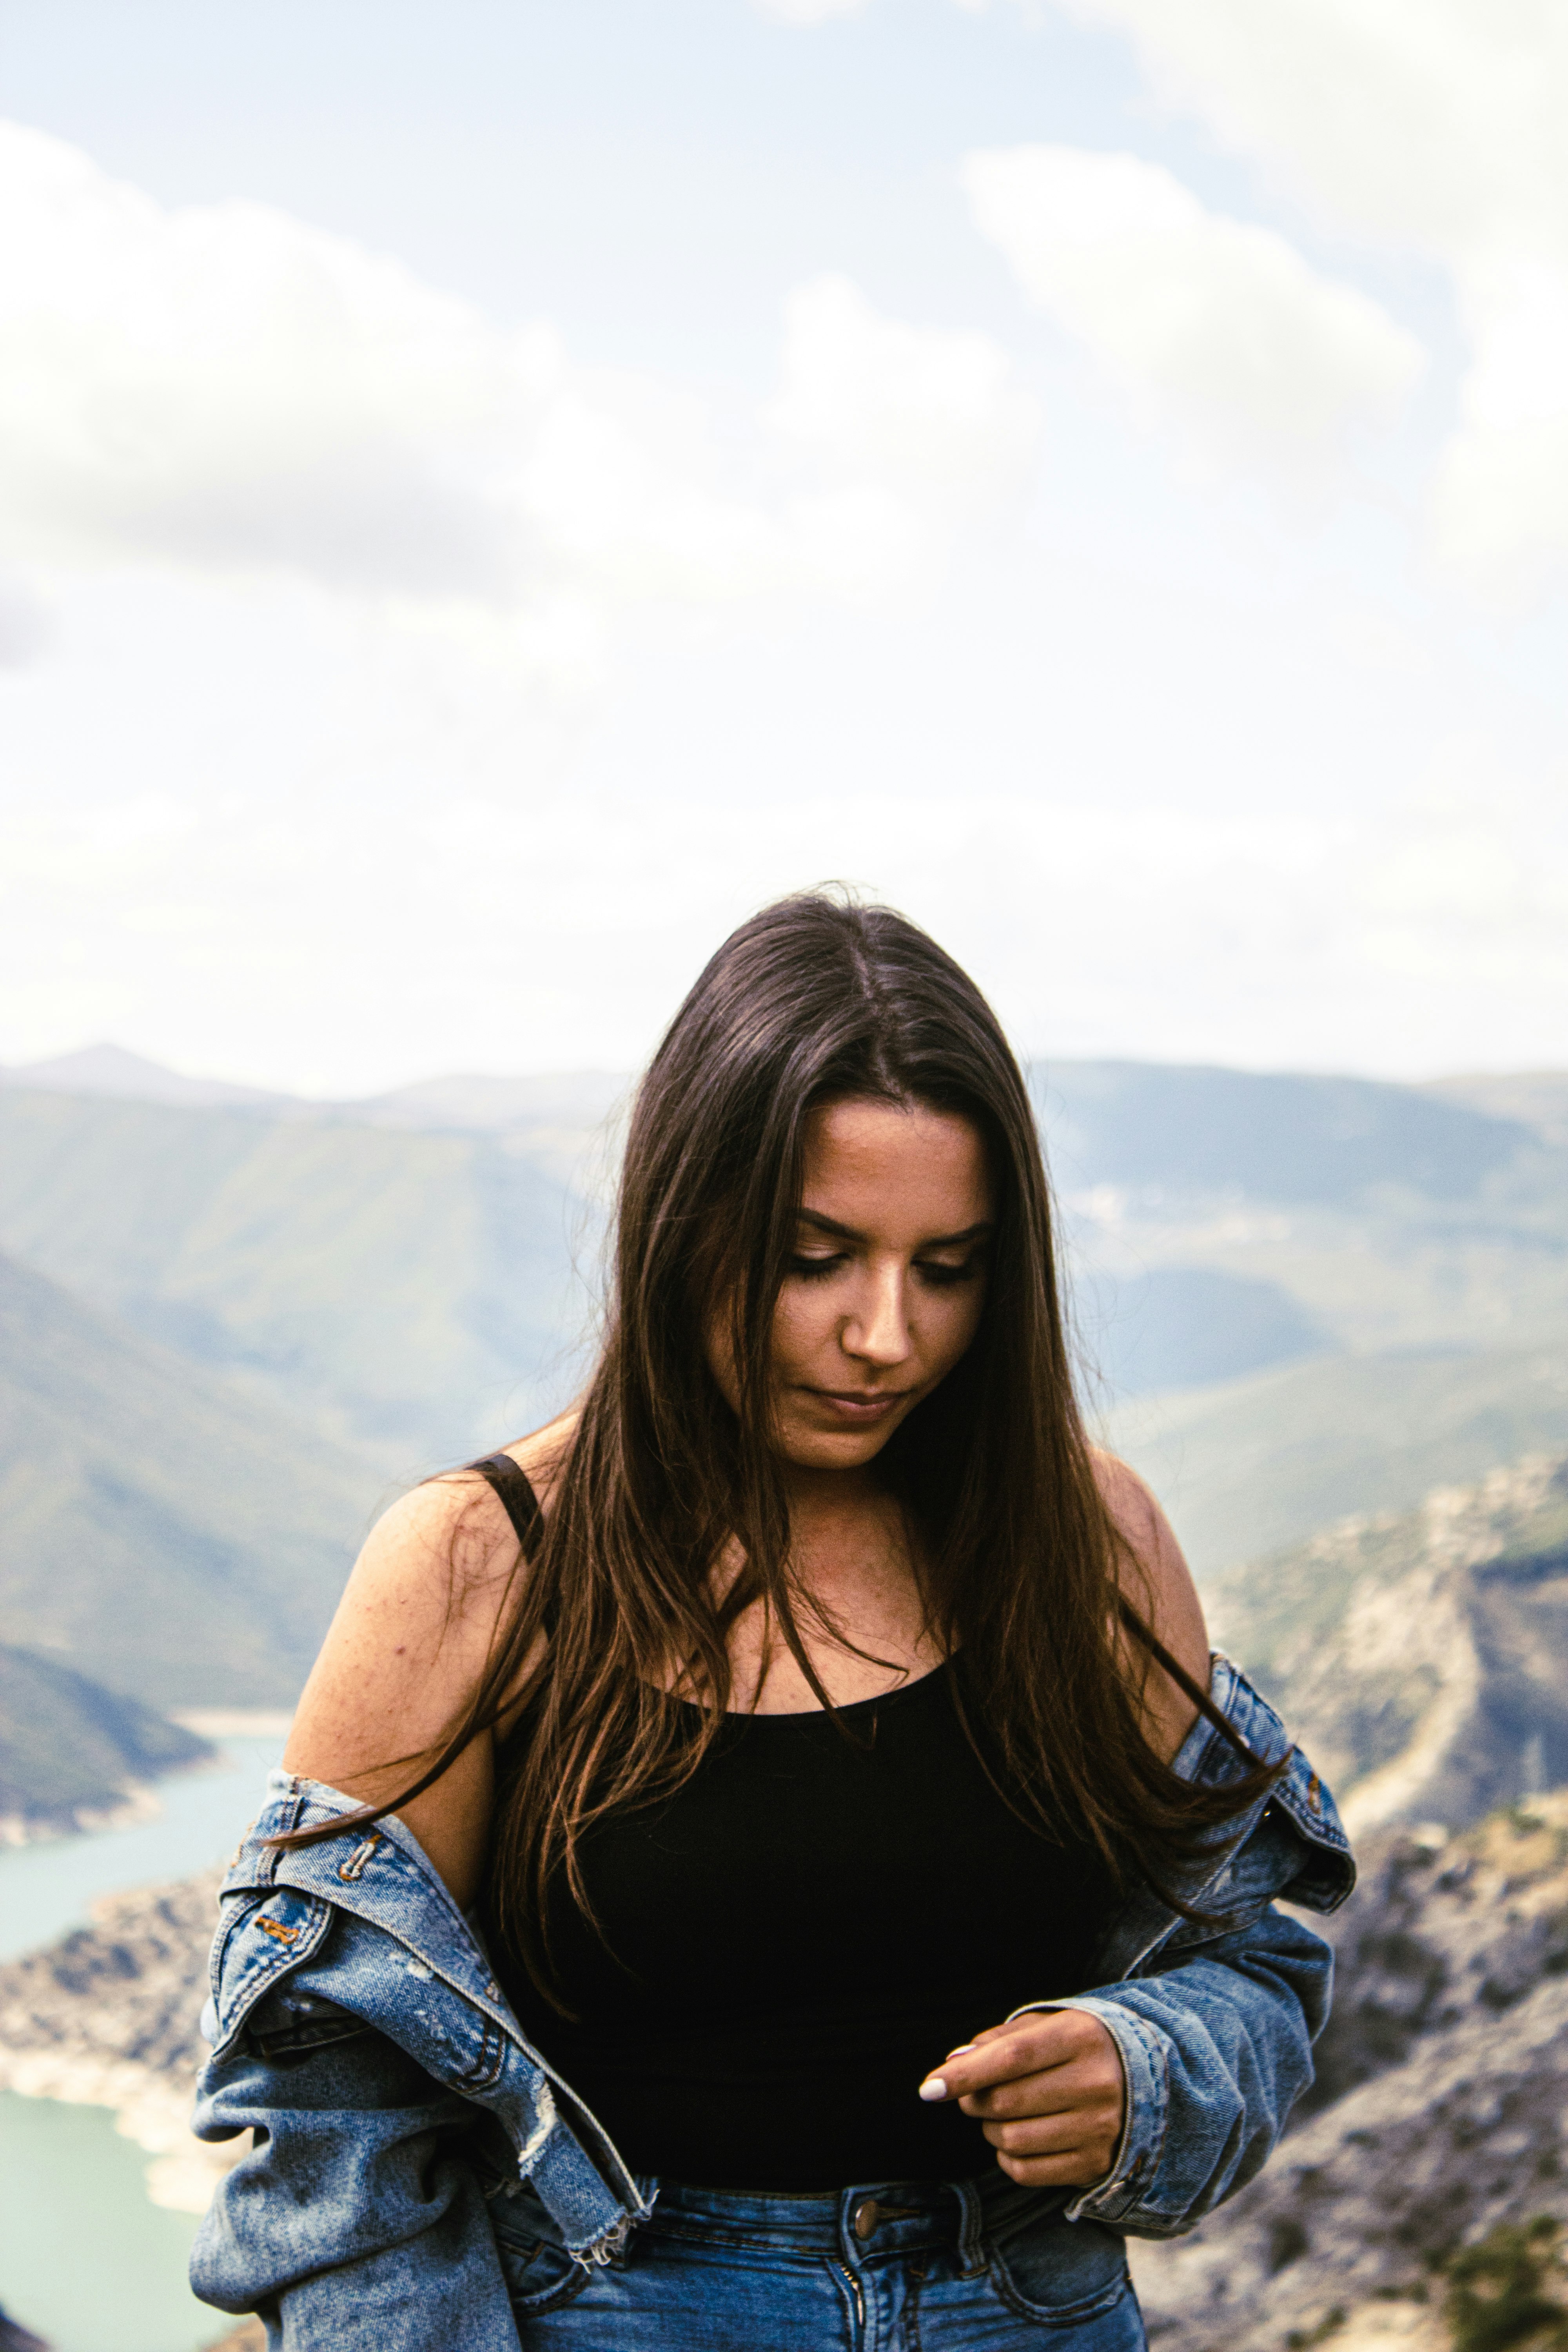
866, 2216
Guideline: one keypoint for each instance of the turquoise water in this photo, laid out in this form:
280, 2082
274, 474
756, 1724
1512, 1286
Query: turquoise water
85, 2259
45, 1889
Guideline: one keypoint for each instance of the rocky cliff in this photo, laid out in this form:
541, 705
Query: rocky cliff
1422, 1658
108, 2016
1440, 2112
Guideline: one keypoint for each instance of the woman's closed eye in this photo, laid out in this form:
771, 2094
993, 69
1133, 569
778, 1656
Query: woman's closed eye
813, 1268
942, 1275
934, 1271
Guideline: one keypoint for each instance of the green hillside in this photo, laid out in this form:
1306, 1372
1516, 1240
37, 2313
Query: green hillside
411, 1291
1246, 1468
1295, 1296
1382, 1217
162, 1531
69, 1746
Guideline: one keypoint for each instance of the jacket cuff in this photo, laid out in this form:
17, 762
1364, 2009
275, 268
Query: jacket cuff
1143, 2050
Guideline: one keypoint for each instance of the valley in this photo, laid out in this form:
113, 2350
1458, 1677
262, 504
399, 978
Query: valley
234, 1325
1325, 1318
1440, 2110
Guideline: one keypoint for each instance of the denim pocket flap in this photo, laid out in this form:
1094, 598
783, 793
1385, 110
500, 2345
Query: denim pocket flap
290, 2023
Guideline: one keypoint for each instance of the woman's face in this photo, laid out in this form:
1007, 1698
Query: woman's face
884, 1291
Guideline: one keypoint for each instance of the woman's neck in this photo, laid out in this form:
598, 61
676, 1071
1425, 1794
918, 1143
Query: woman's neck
851, 1566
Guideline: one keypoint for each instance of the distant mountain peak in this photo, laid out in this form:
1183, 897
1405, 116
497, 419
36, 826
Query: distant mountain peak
480, 1101
114, 1070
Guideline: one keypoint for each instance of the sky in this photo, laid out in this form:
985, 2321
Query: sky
489, 496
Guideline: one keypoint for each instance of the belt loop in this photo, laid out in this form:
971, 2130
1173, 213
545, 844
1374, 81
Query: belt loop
971, 2229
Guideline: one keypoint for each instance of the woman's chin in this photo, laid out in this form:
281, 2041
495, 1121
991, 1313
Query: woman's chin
833, 1449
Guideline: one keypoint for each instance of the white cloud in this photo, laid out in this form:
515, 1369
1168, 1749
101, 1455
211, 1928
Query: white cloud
228, 388
1467, 900
1213, 325
24, 625
1423, 118
225, 386
1433, 125
807, 11
1500, 510
896, 402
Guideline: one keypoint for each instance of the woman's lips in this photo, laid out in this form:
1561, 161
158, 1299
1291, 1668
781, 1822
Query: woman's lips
860, 1404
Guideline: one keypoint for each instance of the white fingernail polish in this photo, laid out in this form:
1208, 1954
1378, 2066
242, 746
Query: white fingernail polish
961, 2049
933, 2088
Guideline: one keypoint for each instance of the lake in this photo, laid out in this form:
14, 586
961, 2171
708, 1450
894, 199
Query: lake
48, 1888
85, 2259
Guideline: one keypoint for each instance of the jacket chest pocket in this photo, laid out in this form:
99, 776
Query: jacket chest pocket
289, 2024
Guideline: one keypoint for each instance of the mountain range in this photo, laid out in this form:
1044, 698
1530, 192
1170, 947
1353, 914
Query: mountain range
231, 1322
407, 1290
417, 1268
163, 1531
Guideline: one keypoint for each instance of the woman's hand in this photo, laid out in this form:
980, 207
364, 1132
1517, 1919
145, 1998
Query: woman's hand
1049, 2092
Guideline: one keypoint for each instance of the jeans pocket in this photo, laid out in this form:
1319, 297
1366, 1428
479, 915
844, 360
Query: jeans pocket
540, 2274
1061, 2272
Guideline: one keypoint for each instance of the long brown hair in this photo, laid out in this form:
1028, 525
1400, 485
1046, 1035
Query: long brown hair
815, 999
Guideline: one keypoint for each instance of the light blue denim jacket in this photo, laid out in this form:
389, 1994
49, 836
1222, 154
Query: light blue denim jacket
357, 2029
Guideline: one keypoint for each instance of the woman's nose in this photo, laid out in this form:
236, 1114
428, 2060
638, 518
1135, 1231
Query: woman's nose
879, 1334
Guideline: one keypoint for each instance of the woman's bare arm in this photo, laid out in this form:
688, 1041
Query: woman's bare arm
404, 1656
402, 1660
1164, 1596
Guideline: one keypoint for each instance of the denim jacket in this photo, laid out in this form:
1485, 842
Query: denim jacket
357, 2029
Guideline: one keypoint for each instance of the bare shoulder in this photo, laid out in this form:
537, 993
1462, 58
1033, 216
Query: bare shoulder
444, 1558
417, 1623
543, 1456
1159, 1584
408, 1640
431, 1595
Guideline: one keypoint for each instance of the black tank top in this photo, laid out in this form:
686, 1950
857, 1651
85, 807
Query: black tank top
798, 1936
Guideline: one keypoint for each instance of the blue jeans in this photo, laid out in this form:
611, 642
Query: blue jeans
970, 2266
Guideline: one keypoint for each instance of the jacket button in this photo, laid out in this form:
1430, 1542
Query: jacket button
867, 2215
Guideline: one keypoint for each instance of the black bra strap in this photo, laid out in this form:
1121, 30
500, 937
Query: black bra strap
517, 1497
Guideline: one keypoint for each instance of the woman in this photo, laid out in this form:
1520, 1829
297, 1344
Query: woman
769, 1861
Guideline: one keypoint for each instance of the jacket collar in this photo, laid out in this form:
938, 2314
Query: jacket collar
382, 1875
1308, 1862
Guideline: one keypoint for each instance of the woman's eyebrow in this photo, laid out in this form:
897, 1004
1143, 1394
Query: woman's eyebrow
937, 1241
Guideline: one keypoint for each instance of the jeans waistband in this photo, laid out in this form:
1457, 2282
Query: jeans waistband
870, 2219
